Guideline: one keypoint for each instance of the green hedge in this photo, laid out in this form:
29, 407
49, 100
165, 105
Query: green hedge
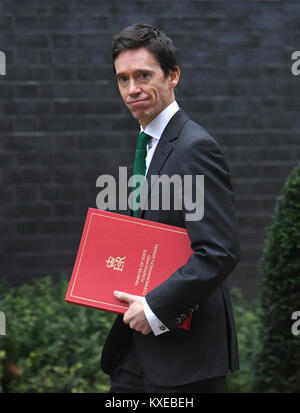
247, 331
277, 365
50, 345
54, 346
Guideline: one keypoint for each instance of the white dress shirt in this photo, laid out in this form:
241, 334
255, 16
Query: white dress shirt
155, 129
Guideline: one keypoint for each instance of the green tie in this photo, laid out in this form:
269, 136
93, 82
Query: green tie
139, 162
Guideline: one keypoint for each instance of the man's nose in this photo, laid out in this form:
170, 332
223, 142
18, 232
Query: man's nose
133, 88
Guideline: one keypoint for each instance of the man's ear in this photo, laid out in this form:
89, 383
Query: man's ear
174, 76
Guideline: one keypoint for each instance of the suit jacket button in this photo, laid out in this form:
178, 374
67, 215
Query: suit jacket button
196, 307
178, 320
162, 328
190, 310
183, 317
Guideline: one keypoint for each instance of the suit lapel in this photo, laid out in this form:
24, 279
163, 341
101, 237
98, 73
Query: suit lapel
161, 154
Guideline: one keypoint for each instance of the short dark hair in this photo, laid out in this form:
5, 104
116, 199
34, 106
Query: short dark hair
144, 35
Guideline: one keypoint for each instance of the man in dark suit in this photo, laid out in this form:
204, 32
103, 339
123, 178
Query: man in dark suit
145, 351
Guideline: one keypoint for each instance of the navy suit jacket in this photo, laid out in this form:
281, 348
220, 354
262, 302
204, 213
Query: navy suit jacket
209, 348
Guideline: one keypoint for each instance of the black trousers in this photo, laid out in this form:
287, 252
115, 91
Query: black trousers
128, 377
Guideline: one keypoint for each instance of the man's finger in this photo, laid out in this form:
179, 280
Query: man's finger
122, 296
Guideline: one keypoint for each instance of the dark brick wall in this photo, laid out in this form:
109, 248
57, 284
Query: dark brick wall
62, 122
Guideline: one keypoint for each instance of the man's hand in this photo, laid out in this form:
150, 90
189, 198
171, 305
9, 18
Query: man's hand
135, 315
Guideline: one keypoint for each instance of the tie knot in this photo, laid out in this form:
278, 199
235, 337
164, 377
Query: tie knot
142, 140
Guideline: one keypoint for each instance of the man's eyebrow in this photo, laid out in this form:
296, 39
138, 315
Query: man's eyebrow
120, 74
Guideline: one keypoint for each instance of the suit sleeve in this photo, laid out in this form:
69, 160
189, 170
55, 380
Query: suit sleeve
214, 238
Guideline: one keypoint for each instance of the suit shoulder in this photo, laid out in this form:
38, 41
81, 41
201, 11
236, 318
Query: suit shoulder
196, 145
194, 135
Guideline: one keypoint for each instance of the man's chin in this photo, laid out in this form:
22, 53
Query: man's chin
140, 117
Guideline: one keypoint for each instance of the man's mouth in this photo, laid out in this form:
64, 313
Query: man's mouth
137, 102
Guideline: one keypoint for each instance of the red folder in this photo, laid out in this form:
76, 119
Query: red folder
123, 253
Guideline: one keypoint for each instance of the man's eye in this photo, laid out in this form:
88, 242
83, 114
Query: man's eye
122, 79
144, 75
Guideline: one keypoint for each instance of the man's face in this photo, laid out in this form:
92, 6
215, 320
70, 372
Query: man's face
145, 89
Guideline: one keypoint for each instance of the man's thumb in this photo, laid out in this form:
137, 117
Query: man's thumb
120, 295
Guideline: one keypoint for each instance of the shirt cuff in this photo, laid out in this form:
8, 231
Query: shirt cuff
157, 326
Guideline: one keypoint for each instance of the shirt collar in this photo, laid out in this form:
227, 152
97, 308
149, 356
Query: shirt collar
156, 127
